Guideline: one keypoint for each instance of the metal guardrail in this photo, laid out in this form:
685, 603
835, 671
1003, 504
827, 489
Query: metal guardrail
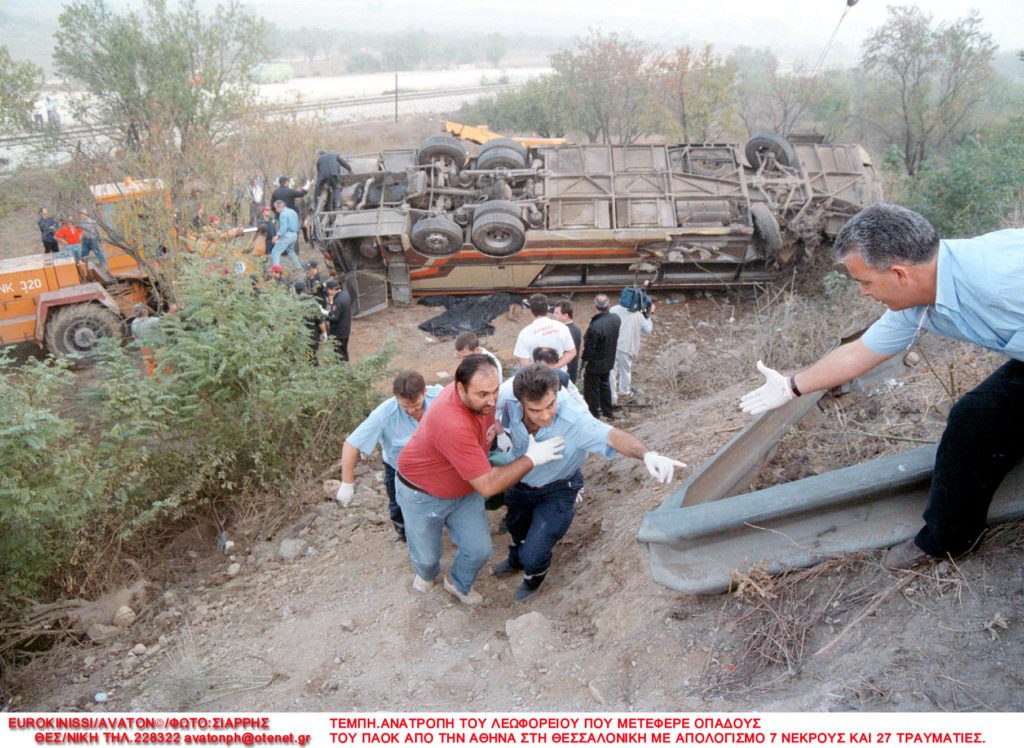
709, 527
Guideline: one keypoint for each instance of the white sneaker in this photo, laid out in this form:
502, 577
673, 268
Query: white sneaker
470, 598
422, 585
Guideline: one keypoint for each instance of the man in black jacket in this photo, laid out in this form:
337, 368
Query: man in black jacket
563, 312
328, 172
286, 193
599, 344
339, 319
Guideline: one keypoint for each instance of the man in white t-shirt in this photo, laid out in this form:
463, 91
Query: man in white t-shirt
544, 332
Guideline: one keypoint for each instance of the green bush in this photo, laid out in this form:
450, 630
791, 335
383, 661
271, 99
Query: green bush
49, 487
979, 189
233, 416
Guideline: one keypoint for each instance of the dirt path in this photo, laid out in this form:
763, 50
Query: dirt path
339, 626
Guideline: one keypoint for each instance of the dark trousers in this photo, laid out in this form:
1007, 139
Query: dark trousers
537, 519
393, 509
50, 245
342, 347
597, 391
983, 440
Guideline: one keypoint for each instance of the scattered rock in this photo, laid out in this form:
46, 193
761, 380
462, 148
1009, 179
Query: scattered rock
170, 599
100, 632
530, 636
331, 488
89, 660
234, 569
287, 612
346, 624
291, 548
139, 649
124, 617
100, 697
596, 693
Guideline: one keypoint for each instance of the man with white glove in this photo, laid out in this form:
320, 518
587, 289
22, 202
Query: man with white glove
965, 289
541, 506
774, 393
391, 424
444, 473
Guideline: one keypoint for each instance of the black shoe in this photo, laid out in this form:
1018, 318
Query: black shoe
609, 416
524, 593
504, 569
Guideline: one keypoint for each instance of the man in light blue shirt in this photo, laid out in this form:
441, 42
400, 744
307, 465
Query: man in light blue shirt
391, 424
968, 289
541, 505
287, 235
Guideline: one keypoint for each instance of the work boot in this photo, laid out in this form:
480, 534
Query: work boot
422, 585
904, 556
504, 569
525, 591
471, 598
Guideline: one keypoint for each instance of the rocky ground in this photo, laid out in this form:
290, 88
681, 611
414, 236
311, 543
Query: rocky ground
321, 615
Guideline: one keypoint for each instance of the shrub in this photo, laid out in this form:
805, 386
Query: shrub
234, 415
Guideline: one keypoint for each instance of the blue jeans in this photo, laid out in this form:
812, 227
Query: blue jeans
426, 517
95, 246
284, 247
72, 250
537, 519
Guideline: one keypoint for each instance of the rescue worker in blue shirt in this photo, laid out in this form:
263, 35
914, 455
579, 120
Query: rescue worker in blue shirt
391, 424
967, 289
541, 506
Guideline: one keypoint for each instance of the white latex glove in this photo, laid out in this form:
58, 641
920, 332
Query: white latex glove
545, 451
344, 495
660, 467
504, 442
774, 393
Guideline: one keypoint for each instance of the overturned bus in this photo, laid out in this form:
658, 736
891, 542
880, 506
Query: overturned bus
558, 218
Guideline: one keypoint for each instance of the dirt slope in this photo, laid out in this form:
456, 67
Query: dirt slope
340, 628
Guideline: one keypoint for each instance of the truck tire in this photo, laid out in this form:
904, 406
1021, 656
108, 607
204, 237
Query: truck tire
442, 146
767, 234
515, 145
508, 207
767, 142
500, 156
76, 330
498, 234
437, 237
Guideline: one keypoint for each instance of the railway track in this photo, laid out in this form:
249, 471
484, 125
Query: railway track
80, 132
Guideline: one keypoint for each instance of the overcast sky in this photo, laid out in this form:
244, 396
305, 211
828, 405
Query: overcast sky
804, 25
796, 29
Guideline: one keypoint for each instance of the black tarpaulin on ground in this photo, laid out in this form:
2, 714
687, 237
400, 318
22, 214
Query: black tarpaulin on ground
473, 313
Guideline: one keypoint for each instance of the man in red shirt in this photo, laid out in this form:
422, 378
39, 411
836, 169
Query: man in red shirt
69, 237
443, 475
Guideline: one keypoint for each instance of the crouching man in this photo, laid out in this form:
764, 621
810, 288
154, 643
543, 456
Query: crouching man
541, 505
443, 475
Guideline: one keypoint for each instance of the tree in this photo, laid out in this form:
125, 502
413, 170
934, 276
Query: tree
536, 107
168, 79
768, 99
606, 87
495, 46
19, 86
695, 88
928, 79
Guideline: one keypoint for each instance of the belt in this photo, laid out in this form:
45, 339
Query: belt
406, 482
527, 487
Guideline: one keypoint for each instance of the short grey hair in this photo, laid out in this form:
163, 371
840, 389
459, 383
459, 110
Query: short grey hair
885, 234
602, 302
